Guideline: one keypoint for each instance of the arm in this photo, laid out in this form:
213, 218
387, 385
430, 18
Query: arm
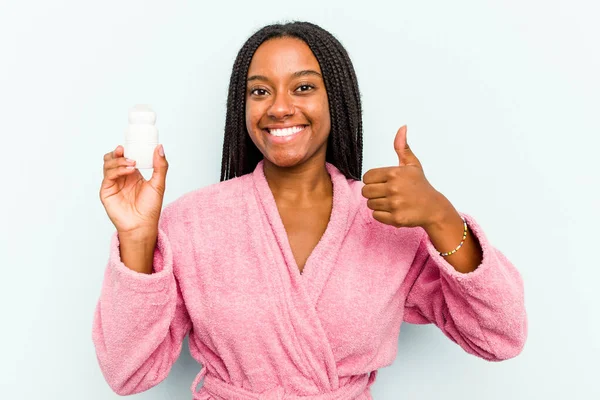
137, 253
140, 319
483, 311
445, 234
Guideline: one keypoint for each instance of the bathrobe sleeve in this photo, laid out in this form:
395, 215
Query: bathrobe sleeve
482, 311
140, 319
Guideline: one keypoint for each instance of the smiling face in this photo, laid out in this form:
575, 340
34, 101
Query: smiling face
287, 110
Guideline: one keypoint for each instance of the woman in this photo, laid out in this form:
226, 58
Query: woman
291, 276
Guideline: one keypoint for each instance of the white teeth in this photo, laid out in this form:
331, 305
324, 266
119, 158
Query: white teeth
286, 131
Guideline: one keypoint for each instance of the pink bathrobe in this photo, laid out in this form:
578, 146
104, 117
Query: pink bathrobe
224, 272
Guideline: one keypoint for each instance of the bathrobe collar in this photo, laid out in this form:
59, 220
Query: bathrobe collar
319, 264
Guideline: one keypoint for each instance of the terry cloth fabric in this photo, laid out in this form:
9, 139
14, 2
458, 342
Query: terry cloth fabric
224, 273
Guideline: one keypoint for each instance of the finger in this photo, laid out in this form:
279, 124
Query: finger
384, 217
401, 144
115, 173
403, 150
380, 204
160, 167
117, 162
117, 152
374, 190
377, 175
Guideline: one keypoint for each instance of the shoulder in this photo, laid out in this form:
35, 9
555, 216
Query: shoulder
363, 215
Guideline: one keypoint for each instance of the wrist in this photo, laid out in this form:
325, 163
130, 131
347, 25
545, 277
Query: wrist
146, 236
137, 251
444, 216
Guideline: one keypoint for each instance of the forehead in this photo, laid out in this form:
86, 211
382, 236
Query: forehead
282, 56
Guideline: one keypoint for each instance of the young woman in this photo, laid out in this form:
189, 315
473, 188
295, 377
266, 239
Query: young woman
291, 275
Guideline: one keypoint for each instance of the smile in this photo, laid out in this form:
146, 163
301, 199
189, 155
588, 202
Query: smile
286, 131
285, 135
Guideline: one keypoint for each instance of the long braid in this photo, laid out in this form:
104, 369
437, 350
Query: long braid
345, 144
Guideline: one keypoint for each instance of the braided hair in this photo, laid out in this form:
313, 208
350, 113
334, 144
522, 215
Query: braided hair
344, 145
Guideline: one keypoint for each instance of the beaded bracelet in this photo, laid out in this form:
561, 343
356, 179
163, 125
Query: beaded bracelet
461, 243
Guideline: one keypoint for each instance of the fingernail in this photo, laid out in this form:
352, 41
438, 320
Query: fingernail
161, 151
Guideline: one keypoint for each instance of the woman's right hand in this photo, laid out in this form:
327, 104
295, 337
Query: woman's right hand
133, 203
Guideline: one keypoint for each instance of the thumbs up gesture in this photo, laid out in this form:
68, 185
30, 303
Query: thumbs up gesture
401, 196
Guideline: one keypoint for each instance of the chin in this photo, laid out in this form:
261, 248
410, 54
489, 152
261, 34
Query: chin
285, 161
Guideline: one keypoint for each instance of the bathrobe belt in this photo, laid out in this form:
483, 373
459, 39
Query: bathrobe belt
213, 385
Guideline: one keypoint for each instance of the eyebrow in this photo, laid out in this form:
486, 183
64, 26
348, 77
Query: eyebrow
298, 74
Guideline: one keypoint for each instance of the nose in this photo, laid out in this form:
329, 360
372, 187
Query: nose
281, 107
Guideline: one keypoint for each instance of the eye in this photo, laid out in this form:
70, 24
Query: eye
258, 92
307, 86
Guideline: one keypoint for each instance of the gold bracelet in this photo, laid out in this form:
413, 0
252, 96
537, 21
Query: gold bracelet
462, 241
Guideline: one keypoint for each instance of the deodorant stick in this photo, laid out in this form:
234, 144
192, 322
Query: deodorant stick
141, 136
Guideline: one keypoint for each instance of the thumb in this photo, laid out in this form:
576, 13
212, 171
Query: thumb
405, 154
160, 167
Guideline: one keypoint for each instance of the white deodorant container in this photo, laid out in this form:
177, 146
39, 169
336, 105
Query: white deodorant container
141, 136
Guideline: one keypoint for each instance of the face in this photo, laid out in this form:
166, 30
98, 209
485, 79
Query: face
287, 110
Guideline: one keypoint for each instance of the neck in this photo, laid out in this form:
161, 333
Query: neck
302, 185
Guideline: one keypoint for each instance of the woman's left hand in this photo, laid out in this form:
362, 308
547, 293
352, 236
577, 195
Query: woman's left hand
401, 196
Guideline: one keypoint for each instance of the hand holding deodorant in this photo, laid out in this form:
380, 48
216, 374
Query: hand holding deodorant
141, 136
